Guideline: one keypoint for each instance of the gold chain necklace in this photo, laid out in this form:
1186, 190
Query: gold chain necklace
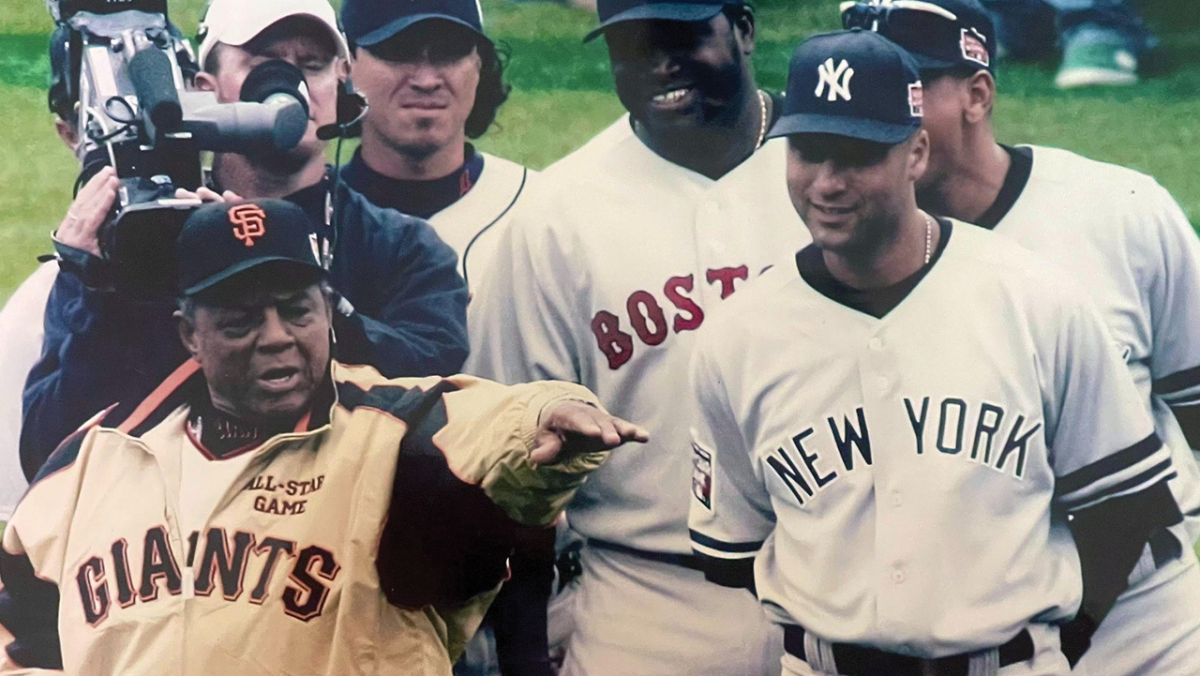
762, 123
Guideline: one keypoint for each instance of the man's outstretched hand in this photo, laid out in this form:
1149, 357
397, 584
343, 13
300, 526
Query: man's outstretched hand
573, 427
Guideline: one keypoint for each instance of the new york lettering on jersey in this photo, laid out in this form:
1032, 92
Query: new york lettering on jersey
979, 432
827, 420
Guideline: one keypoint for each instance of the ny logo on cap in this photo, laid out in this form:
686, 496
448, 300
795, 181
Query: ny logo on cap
837, 77
249, 222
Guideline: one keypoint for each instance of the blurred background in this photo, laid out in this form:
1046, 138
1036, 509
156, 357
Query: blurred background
562, 94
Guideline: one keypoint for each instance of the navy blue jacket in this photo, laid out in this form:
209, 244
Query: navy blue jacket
404, 313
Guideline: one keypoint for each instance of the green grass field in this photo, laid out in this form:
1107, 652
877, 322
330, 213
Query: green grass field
562, 95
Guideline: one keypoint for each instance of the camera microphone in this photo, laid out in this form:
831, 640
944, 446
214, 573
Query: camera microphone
153, 79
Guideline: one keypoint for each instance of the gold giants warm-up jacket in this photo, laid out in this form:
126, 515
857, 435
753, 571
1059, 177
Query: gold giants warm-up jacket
368, 541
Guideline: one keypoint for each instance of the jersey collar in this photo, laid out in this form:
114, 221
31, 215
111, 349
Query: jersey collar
1019, 169
186, 386
810, 262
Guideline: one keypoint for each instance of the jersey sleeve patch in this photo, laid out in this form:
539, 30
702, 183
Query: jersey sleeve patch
1127, 471
1185, 383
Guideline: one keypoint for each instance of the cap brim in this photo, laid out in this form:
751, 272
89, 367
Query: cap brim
876, 131
663, 11
244, 32
385, 32
238, 268
930, 63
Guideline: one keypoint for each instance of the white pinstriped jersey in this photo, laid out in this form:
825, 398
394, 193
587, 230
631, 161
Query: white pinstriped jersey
1116, 232
902, 482
1122, 237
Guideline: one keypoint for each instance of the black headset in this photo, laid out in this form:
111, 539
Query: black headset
352, 107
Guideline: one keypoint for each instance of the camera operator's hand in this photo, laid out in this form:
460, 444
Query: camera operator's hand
81, 227
206, 195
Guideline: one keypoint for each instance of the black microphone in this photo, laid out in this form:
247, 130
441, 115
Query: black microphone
154, 82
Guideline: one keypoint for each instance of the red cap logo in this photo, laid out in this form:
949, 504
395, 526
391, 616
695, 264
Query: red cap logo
974, 46
249, 222
916, 100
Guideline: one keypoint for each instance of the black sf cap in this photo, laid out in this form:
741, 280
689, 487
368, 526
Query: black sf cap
369, 22
616, 11
851, 83
939, 33
219, 241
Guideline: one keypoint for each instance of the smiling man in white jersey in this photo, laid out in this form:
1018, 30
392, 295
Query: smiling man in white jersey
911, 489
1119, 234
598, 283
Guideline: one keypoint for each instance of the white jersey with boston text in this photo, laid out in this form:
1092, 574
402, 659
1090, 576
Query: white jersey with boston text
902, 482
597, 282
748, 211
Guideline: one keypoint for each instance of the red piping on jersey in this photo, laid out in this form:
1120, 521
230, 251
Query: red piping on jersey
186, 370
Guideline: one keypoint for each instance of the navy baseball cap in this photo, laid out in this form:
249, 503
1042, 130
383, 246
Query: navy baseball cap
369, 22
220, 241
940, 34
851, 83
616, 11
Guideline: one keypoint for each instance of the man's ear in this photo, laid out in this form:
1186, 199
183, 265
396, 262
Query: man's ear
743, 30
67, 132
206, 82
918, 155
980, 97
187, 333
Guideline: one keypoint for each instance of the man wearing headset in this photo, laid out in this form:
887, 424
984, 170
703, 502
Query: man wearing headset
401, 304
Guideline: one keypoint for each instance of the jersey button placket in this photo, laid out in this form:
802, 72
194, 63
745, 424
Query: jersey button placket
879, 382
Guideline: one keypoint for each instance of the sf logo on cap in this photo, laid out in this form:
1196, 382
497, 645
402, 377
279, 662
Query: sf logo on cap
837, 77
248, 222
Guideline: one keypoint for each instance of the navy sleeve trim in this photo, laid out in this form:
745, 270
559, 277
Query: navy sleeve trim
729, 547
1188, 416
1108, 465
1147, 478
734, 573
1178, 381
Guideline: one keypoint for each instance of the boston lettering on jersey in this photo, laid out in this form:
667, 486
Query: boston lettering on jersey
981, 433
224, 559
648, 320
